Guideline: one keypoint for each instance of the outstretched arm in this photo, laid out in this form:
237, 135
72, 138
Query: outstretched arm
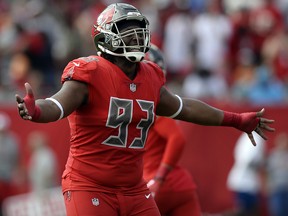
65, 101
198, 112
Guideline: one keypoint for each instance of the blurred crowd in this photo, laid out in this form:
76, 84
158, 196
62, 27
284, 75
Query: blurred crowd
232, 51
39, 173
258, 177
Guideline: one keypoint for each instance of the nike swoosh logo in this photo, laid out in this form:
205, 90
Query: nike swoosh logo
147, 196
76, 64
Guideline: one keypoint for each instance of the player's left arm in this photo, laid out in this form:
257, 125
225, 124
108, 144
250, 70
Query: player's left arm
198, 112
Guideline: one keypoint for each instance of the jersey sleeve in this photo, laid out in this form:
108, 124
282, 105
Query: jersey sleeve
80, 69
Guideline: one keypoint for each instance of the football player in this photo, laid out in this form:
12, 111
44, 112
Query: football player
172, 186
111, 101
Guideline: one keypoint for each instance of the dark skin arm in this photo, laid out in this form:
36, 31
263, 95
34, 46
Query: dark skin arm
198, 112
193, 111
74, 93
70, 96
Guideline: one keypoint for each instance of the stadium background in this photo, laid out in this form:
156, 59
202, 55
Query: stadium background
25, 26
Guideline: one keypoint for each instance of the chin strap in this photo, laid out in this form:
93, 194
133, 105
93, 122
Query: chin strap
131, 56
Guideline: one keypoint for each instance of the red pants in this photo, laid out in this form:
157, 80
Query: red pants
89, 203
179, 203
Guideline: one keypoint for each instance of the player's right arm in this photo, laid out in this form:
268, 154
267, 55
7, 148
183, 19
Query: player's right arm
72, 95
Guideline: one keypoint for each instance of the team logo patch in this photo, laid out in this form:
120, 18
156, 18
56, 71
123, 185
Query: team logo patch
106, 16
132, 87
95, 201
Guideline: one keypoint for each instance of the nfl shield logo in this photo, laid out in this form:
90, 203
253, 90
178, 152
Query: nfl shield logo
132, 87
95, 201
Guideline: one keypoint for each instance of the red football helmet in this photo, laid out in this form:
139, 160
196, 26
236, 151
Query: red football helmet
108, 38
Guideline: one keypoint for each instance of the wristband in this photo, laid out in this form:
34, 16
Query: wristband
33, 110
37, 113
58, 105
231, 119
246, 122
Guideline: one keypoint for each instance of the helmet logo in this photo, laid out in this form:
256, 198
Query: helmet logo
106, 16
132, 87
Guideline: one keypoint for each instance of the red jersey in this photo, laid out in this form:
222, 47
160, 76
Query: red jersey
108, 134
165, 144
